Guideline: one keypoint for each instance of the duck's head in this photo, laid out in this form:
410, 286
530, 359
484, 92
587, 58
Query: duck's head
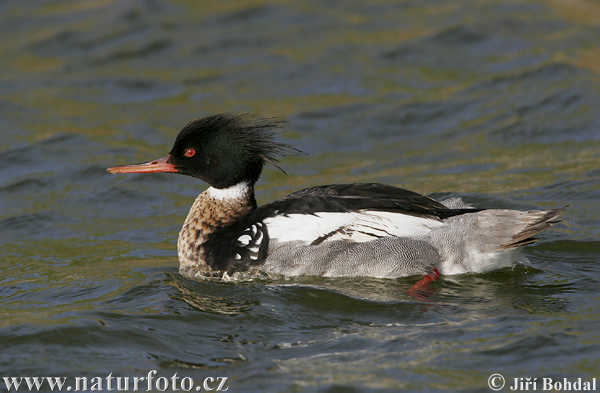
223, 150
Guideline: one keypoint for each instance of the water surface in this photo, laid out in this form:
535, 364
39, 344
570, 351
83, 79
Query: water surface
496, 102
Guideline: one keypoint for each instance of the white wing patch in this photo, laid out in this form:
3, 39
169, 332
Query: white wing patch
244, 240
359, 226
250, 243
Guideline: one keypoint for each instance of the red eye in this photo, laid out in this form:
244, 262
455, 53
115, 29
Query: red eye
189, 152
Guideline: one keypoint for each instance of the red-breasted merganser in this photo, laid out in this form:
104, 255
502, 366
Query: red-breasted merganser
335, 230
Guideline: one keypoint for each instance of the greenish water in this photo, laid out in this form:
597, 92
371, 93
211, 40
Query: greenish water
493, 101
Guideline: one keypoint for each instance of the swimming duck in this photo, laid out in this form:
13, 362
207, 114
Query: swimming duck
360, 229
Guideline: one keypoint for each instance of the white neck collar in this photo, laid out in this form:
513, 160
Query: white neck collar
238, 191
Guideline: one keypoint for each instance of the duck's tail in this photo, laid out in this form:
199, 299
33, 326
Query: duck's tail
538, 221
489, 239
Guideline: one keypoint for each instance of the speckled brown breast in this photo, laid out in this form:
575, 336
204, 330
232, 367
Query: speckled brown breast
206, 215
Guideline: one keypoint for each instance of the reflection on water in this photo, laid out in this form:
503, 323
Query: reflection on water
202, 297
